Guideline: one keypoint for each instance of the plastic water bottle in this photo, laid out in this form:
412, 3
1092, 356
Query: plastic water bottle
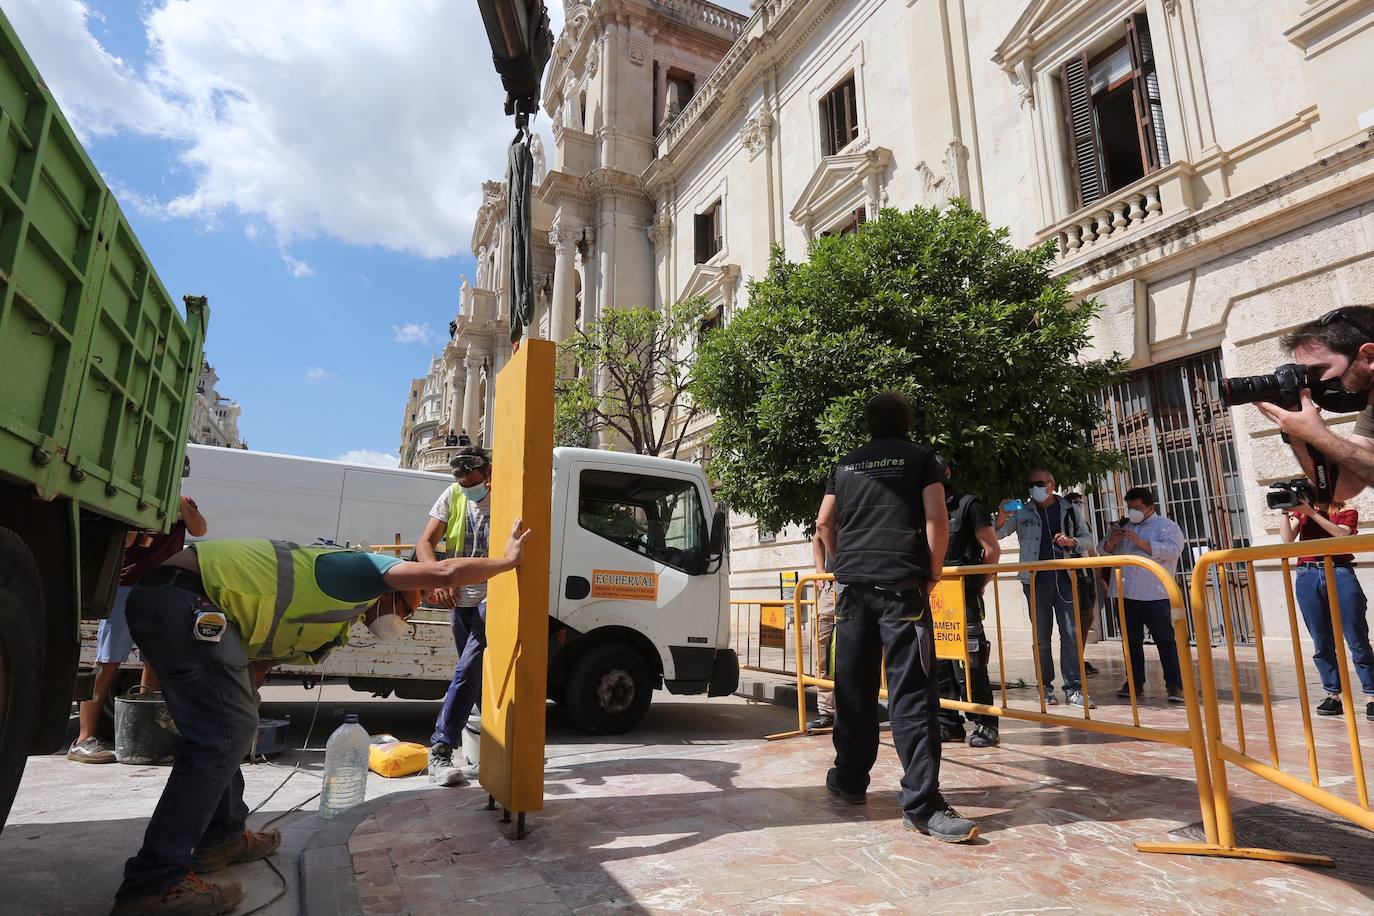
345, 768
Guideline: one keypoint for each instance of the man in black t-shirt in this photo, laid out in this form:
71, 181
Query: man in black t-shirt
882, 519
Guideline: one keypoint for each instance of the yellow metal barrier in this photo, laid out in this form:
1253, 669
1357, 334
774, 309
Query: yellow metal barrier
758, 634
1191, 738
1219, 751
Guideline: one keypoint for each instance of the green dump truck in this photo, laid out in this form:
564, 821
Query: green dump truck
98, 369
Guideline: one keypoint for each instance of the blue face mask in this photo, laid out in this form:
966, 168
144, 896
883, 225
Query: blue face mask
477, 493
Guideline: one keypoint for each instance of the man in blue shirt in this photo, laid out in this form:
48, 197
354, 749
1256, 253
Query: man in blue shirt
1147, 534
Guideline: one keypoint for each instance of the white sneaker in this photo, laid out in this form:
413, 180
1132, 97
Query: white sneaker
1076, 698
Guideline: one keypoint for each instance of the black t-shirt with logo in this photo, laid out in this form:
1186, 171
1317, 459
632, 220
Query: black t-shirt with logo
881, 538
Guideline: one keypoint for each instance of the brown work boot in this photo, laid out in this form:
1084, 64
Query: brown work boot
188, 897
249, 847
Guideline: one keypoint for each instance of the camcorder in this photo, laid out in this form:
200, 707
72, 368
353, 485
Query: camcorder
1286, 494
1282, 387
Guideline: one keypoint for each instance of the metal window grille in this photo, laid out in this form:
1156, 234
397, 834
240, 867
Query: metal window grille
1179, 441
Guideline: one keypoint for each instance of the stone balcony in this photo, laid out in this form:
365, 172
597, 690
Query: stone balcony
1130, 212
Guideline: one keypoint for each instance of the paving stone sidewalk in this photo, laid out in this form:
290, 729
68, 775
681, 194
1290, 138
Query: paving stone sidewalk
748, 828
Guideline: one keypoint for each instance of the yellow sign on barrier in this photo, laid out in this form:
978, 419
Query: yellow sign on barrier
772, 625
515, 665
947, 614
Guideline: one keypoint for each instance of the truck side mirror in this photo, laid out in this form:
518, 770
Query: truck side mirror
718, 532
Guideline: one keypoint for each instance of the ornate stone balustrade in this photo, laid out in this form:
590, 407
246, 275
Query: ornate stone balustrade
1110, 218
697, 11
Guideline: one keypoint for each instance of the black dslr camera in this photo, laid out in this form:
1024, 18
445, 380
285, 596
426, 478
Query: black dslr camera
1287, 494
1283, 386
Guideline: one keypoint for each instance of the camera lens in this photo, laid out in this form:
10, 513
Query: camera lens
1247, 389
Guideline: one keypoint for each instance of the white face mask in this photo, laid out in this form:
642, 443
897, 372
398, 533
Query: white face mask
387, 627
1038, 494
1135, 516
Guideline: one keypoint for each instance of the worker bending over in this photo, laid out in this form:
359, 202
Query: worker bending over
208, 620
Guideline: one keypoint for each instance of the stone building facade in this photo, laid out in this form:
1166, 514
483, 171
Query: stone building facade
214, 418
1204, 169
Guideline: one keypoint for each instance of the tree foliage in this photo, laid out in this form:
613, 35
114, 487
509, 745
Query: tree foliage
936, 304
627, 373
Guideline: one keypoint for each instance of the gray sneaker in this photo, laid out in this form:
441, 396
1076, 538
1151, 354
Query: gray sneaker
92, 750
945, 825
1051, 698
1076, 698
442, 771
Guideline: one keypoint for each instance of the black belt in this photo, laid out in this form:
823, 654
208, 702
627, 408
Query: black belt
173, 577
1323, 565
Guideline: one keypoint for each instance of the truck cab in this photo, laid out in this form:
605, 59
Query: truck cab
639, 586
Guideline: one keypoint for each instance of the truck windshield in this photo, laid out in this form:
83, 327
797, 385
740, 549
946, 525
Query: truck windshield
659, 517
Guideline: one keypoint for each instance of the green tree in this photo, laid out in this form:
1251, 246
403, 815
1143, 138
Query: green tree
627, 373
935, 304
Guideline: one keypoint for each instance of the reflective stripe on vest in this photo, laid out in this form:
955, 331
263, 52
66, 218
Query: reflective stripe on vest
457, 521
268, 589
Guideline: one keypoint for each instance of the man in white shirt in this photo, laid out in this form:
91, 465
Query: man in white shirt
459, 521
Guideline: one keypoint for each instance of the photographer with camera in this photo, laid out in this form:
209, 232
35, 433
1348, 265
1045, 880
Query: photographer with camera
1307, 520
1333, 370
1146, 533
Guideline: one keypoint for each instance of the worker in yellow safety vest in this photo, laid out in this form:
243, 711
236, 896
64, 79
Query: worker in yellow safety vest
212, 620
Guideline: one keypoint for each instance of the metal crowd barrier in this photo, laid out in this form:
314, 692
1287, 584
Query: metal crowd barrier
1222, 750
1191, 738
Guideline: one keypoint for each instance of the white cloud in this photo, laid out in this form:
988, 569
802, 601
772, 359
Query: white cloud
317, 374
297, 268
369, 123
368, 456
410, 332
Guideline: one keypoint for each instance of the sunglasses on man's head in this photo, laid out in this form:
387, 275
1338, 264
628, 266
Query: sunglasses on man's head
1346, 314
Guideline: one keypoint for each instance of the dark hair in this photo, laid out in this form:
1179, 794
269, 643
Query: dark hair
888, 414
1341, 331
1144, 494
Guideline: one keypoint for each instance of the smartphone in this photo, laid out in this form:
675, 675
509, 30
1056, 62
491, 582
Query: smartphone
1012, 505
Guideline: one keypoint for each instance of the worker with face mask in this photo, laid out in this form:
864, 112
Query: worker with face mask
212, 620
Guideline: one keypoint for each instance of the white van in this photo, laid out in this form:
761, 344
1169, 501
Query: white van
638, 582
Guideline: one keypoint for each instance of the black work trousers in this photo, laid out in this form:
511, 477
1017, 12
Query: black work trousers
872, 625
951, 677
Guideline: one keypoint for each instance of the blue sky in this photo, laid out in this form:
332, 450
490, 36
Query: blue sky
312, 167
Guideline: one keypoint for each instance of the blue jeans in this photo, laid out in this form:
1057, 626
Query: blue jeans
210, 695
465, 690
1054, 601
1311, 591
113, 641
1158, 618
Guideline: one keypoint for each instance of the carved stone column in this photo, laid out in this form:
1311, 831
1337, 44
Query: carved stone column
472, 391
563, 237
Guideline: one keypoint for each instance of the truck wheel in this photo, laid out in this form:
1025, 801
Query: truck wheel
609, 689
21, 660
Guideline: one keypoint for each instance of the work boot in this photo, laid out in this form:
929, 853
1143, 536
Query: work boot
1176, 695
824, 720
92, 750
1369, 710
984, 736
442, 771
951, 734
188, 897
249, 846
945, 825
849, 798
1088, 668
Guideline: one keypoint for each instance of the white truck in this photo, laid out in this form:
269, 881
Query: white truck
638, 583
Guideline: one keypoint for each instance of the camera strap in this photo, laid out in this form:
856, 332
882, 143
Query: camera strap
1324, 474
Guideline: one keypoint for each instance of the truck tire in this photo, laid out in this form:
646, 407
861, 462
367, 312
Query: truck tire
609, 689
21, 661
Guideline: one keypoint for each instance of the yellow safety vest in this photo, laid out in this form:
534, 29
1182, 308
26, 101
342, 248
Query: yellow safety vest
457, 521
268, 590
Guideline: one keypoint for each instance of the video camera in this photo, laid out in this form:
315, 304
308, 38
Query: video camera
1282, 387
1287, 494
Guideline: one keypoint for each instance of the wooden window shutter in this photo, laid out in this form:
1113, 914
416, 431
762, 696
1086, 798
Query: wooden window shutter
827, 128
702, 233
851, 112
1080, 126
717, 241
1149, 112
